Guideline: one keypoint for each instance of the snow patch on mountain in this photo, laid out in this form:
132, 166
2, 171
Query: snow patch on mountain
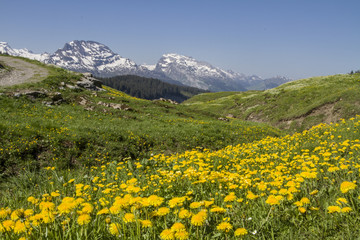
148, 67
5, 48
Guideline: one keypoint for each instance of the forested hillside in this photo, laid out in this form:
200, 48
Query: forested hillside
150, 88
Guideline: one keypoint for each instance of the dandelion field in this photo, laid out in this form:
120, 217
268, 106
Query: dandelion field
165, 172
303, 186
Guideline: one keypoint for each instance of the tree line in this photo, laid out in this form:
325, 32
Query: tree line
150, 88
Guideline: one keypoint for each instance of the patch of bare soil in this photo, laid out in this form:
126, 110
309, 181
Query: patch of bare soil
21, 72
327, 111
254, 117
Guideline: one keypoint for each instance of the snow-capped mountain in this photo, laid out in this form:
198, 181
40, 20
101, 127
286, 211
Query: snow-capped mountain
90, 56
94, 57
196, 73
5, 48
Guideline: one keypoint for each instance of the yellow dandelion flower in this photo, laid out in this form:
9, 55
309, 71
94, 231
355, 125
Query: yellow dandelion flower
333, 169
198, 219
224, 226
162, 211
217, 210
208, 203
79, 201
47, 217
305, 200
176, 201
347, 186
19, 227
28, 212
87, 208
66, 207
167, 234
346, 209
184, 214
115, 209
230, 198
155, 200
290, 197
302, 209
103, 211
4, 213
250, 195
84, 219
240, 232
176, 227
240, 200
114, 228
16, 214
314, 192
129, 217
274, 200
107, 191
32, 200
262, 186
341, 201
36, 219
182, 235
7, 225
332, 209
55, 194
146, 223
47, 206
194, 205
203, 213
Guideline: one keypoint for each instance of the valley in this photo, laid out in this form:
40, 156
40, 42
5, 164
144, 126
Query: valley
78, 163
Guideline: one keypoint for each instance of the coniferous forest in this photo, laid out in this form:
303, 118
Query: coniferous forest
150, 88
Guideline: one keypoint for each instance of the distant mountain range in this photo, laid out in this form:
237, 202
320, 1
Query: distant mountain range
94, 57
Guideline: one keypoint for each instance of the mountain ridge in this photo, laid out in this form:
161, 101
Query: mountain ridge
100, 60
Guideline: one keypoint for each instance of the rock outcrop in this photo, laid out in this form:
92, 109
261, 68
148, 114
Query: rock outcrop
89, 82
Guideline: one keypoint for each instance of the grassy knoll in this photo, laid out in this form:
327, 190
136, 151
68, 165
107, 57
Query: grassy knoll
295, 105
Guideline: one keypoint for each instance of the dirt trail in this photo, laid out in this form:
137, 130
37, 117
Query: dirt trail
21, 72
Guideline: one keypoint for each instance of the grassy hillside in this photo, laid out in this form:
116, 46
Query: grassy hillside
295, 105
110, 123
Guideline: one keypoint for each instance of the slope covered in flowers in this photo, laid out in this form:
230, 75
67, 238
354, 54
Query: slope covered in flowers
301, 186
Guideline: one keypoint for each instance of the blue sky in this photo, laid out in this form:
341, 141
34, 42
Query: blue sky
296, 39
